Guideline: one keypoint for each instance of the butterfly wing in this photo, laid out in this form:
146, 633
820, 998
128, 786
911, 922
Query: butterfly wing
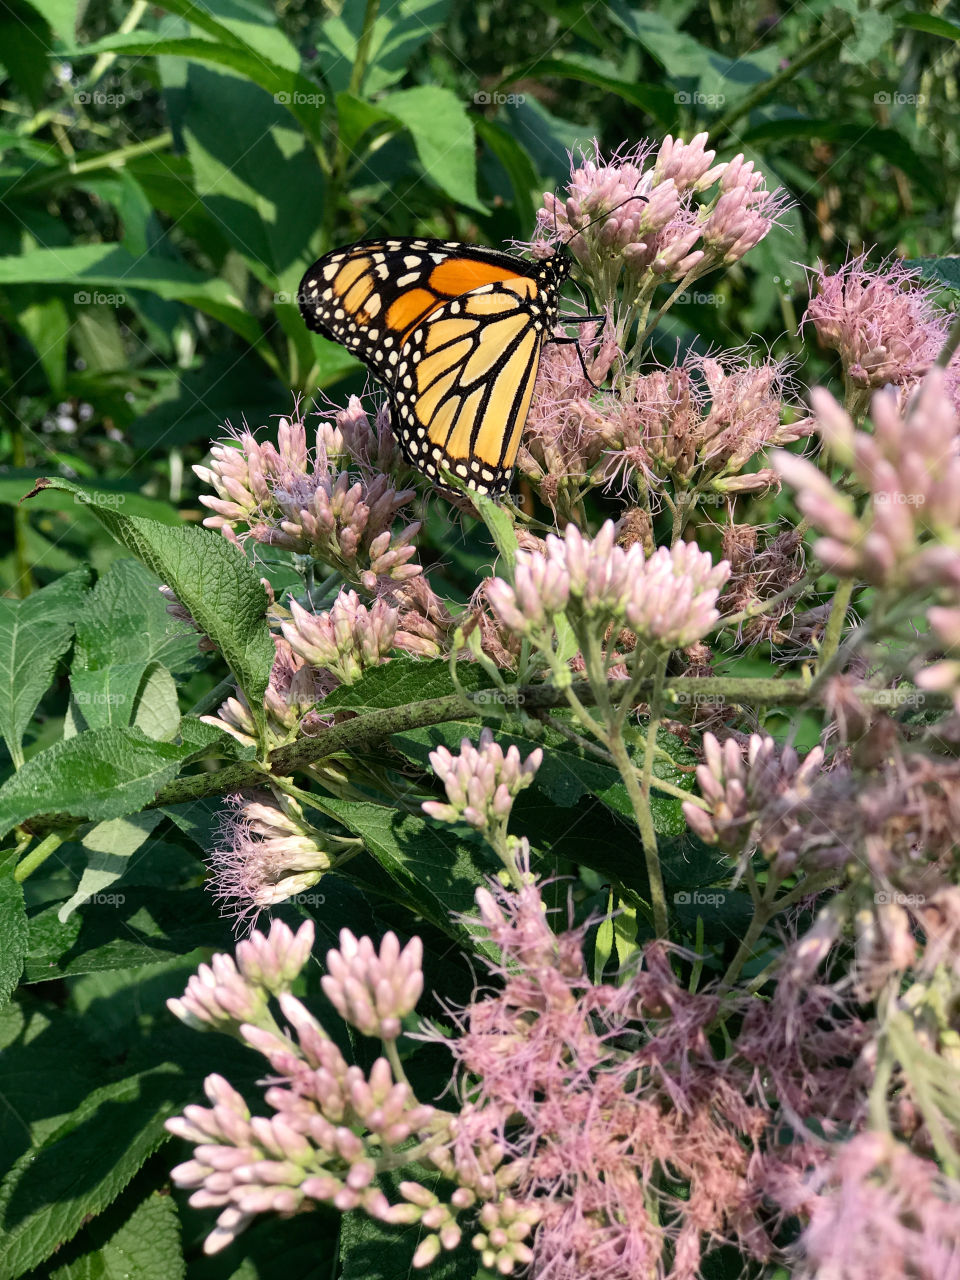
464, 380
370, 296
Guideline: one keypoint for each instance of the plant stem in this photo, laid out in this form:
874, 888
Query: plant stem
838, 616
36, 857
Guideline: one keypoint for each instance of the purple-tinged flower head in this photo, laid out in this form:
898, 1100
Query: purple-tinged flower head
293, 692
882, 321
481, 782
245, 472
673, 603
374, 991
267, 852
910, 468
565, 432
424, 623
742, 215
754, 797
701, 422
355, 435
688, 164
667, 599
874, 1208
227, 992
347, 640
307, 502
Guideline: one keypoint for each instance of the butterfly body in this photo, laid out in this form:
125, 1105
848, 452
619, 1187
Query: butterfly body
454, 333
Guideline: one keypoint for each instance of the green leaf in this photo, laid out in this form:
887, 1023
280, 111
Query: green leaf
212, 578
945, 271
145, 1247
47, 324
402, 680
872, 30
654, 99
34, 635
442, 133
125, 619
105, 697
110, 845
931, 24
82, 1167
501, 529
13, 933
105, 773
145, 926
436, 872
398, 31
157, 711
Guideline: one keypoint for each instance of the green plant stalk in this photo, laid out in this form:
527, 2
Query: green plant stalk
838, 616
38, 856
368, 731
25, 583
108, 160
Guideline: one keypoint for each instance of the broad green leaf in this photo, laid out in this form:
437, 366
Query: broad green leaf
133, 926
516, 164
245, 175
214, 581
400, 29
501, 529
403, 680
82, 1167
657, 101
145, 1247
34, 634
442, 133
243, 21
47, 324
61, 15
436, 872
105, 697
157, 712
199, 737
110, 845
13, 932
103, 774
105, 271
931, 24
945, 271
125, 619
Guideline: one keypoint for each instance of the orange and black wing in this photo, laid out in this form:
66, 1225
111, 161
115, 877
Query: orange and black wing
371, 296
464, 381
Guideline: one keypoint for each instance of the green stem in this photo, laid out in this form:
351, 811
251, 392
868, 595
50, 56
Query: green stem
38, 856
363, 47
835, 623
107, 160
24, 583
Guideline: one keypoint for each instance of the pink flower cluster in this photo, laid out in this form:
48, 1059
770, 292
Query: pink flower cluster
481, 782
347, 639
910, 468
668, 599
305, 501
882, 321
629, 212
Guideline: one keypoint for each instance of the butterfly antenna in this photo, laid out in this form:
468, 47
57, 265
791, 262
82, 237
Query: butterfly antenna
599, 218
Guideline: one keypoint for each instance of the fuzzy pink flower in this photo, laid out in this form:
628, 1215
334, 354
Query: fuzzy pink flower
481, 782
293, 692
883, 321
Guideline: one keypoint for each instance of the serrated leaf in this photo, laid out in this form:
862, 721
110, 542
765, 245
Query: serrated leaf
945, 271
145, 1247
125, 619
147, 927
105, 697
102, 774
198, 737
436, 872
82, 1167
213, 580
34, 635
403, 680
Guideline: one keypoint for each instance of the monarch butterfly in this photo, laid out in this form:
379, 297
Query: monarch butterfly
454, 333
